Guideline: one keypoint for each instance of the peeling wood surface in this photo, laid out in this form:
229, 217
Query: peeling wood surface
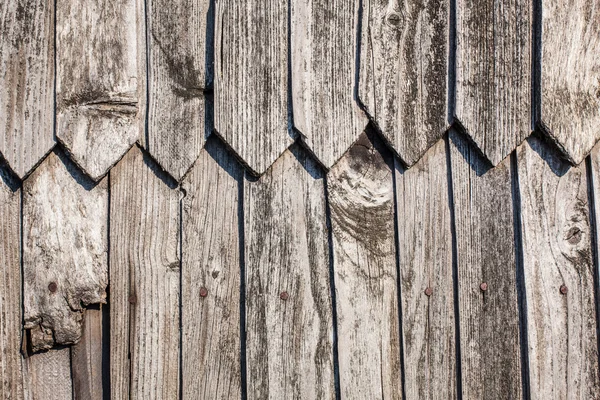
86, 358
50, 375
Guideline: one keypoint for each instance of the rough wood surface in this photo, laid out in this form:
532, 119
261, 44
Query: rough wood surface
211, 277
144, 226
425, 253
86, 358
100, 80
493, 73
49, 375
289, 324
251, 85
176, 83
361, 197
489, 319
323, 57
563, 352
27, 81
64, 250
403, 72
570, 79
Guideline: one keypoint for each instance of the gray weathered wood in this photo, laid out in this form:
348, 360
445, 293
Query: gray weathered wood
176, 71
493, 73
570, 79
403, 72
563, 353
86, 358
489, 320
251, 85
144, 224
100, 80
361, 197
289, 340
27, 81
211, 261
49, 375
323, 47
425, 253
64, 250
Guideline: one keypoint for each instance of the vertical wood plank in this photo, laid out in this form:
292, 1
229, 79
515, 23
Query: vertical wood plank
289, 322
488, 317
50, 375
86, 358
563, 352
361, 197
425, 252
211, 277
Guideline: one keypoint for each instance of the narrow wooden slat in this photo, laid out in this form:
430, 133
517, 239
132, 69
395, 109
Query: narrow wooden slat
489, 319
86, 359
211, 277
100, 80
251, 67
50, 375
361, 197
27, 81
493, 73
289, 324
563, 353
425, 252
403, 72
144, 226
65, 247
323, 46
570, 79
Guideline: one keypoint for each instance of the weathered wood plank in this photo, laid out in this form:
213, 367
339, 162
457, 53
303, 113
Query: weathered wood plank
403, 80
361, 197
486, 265
65, 247
563, 353
49, 375
144, 225
176, 84
570, 78
493, 73
27, 81
425, 253
323, 46
86, 358
289, 323
100, 82
251, 67
211, 276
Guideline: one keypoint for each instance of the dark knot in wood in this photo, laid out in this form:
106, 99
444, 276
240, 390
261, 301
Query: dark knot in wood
393, 19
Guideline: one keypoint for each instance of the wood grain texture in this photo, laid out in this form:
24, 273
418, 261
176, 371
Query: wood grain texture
563, 353
27, 81
425, 253
570, 79
289, 341
251, 68
403, 82
489, 320
49, 375
144, 226
493, 73
361, 197
65, 243
211, 262
86, 358
323, 58
100, 80
176, 84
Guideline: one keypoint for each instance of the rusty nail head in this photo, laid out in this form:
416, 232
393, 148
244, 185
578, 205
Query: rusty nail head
203, 292
483, 287
393, 19
52, 287
563, 289
284, 296
132, 299
428, 291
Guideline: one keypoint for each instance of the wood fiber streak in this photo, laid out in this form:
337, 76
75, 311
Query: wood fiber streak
570, 81
145, 241
323, 41
425, 252
176, 84
489, 320
493, 73
86, 359
361, 197
100, 80
49, 375
65, 243
211, 261
251, 85
403, 72
563, 353
289, 341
